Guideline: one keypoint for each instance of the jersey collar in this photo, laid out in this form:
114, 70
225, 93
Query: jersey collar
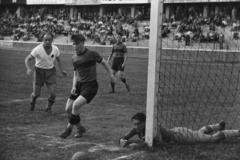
82, 52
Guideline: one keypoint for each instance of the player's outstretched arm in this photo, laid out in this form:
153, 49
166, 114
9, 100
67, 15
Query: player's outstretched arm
108, 69
124, 141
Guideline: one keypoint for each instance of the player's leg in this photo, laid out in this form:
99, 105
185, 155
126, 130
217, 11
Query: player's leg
88, 92
166, 134
51, 85
38, 82
123, 79
75, 115
214, 127
74, 118
69, 105
113, 84
114, 68
35, 94
200, 137
67, 132
185, 135
231, 133
51, 98
77, 105
221, 135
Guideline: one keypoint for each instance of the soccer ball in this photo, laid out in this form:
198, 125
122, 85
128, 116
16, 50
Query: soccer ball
80, 156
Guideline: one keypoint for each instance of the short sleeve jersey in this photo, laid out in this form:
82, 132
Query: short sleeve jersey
119, 50
42, 59
85, 65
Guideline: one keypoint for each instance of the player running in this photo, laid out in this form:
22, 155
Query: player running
119, 54
85, 85
45, 72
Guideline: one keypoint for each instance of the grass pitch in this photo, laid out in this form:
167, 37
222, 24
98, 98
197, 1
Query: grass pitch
26, 135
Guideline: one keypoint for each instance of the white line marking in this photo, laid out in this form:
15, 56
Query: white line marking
104, 147
75, 144
129, 156
27, 100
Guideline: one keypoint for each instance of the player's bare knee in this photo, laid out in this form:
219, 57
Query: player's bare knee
68, 108
120, 74
75, 108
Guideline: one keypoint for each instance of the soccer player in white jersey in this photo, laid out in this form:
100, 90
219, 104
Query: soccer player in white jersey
44, 72
180, 135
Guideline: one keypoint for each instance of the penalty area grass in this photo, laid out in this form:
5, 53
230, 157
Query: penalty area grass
26, 135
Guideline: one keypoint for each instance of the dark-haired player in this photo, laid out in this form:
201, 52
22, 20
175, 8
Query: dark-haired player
45, 72
181, 135
119, 54
85, 85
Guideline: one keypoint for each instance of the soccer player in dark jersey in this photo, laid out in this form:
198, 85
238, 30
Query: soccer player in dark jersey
181, 135
119, 54
85, 84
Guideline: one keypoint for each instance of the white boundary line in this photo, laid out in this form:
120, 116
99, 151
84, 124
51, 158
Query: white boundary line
28, 99
75, 144
94, 148
128, 156
58, 98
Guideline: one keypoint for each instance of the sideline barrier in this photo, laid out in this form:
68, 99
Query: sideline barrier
6, 44
140, 52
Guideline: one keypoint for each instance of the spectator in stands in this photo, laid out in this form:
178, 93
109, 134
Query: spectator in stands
221, 40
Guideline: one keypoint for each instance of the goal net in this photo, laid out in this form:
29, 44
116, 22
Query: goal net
193, 74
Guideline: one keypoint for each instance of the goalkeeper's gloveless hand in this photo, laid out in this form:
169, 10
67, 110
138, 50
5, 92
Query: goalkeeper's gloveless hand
123, 142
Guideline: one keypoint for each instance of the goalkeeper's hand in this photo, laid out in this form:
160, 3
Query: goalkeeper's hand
123, 142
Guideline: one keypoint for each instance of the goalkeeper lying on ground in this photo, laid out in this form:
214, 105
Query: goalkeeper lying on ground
182, 135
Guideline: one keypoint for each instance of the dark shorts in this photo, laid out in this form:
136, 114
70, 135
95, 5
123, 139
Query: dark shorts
47, 76
117, 64
86, 89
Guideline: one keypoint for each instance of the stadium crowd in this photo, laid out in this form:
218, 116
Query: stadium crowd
188, 28
98, 29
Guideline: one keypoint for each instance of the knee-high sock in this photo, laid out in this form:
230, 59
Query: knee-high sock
231, 133
124, 80
51, 101
113, 85
33, 98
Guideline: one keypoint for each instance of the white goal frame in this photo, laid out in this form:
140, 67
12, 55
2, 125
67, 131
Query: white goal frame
155, 47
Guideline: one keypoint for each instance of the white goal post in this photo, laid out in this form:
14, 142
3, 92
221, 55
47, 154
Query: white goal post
155, 45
